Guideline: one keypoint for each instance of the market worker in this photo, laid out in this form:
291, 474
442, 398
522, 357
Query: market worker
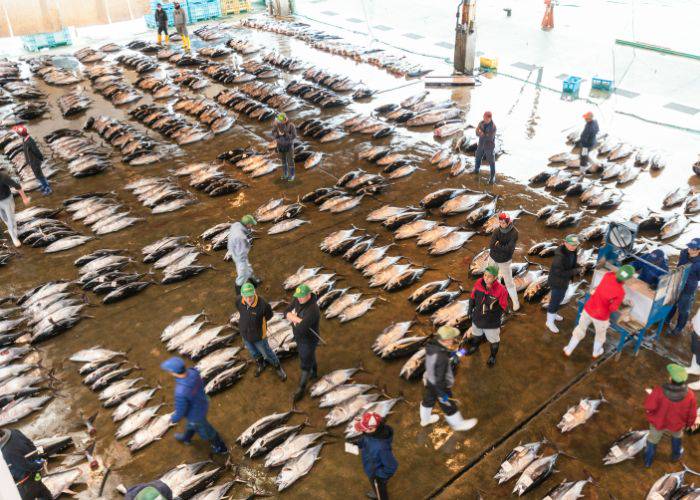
255, 312
486, 132
378, 459
489, 300
689, 255
34, 157
501, 249
238, 245
24, 463
180, 20
605, 300
440, 354
563, 268
284, 134
192, 404
161, 18
587, 140
654, 266
670, 408
304, 315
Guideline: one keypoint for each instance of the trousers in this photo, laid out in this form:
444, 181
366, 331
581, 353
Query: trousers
482, 154
655, 434
163, 29
506, 273
431, 396
555, 298
683, 306
601, 329
287, 163
261, 349
379, 487
307, 357
7, 214
243, 269
203, 428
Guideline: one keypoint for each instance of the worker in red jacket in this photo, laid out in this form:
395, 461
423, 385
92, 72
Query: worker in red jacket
604, 301
489, 301
670, 408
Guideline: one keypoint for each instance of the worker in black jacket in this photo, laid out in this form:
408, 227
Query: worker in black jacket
588, 138
501, 249
255, 312
305, 315
161, 18
439, 377
485, 149
563, 268
33, 157
24, 461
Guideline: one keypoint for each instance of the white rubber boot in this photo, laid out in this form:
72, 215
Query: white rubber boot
694, 368
460, 424
557, 317
514, 298
598, 350
695, 386
426, 416
551, 318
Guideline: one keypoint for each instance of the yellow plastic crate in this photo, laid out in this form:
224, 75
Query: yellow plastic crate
488, 62
235, 6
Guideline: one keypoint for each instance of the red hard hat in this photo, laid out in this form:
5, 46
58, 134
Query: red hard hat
368, 422
487, 114
588, 114
20, 129
504, 216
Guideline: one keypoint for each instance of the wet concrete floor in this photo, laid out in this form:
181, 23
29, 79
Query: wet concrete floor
531, 377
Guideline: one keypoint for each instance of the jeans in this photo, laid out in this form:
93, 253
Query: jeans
555, 298
683, 306
487, 156
261, 349
287, 163
205, 430
7, 214
307, 357
379, 487
430, 397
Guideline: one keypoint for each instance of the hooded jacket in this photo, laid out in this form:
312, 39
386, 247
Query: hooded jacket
253, 320
606, 298
503, 243
377, 458
671, 407
191, 402
488, 304
15, 447
7, 182
238, 241
563, 268
438, 367
590, 131
691, 285
310, 315
284, 134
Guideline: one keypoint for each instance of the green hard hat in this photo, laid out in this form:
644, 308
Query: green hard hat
492, 270
149, 493
572, 239
302, 291
281, 117
625, 272
678, 373
447, 332
248, 290
248, 220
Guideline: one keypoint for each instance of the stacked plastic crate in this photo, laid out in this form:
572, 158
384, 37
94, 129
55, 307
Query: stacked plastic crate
229, 7
168, 7
201, 10
32, 43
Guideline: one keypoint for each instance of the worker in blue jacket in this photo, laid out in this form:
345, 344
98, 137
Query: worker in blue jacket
192, 404
690, 255
652, 268
377, 457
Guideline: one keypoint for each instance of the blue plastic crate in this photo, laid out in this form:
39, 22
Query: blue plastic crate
201, 10
601, 84
572, 85
32, 43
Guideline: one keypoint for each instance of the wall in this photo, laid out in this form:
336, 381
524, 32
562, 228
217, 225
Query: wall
27, 17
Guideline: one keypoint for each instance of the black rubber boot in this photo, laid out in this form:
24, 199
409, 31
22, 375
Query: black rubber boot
185, 437
255, 280
218, 446
474, 343
238, 290
494, 351
301, 390
492, 179
280, 372
261, 366
314, 373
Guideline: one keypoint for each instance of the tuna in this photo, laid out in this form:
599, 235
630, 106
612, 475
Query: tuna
437, 198
343, 412
676, 197
414, 367
133, 404
292, 447
580, 413
413, 229
356, 310
402, 347
674, 227
271, 439
332, 380
666, 485
454, 314
153, 432
428, 289
535, 474
383, 408
567, 490
626, 447
225, 378
137, 421
20, 408
384, 212
515, 462
391, 334
342, 393
303, 274
297, 467
461, 203
404, 279
435, 234
261, 426
437, 300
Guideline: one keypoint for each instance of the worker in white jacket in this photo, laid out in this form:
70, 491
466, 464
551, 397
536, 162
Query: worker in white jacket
239, 240
694, 368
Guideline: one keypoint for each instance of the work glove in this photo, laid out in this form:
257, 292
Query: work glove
444, 399
460, 352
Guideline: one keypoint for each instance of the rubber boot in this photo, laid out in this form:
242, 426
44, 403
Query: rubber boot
676, 449
301, 390
460, 424
255, 280
260, 366
15, 241
159, 38
573, 342
189, 42
598, 350
184, 43
694, 368
238, 289
185, 437
492, 179
649, 454
514, 299
474, 343
314, 373
427, 417
167, 39
494, 351
218, 446
280, 372
551, 318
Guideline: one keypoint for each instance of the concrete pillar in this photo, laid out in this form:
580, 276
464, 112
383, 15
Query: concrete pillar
465, 37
